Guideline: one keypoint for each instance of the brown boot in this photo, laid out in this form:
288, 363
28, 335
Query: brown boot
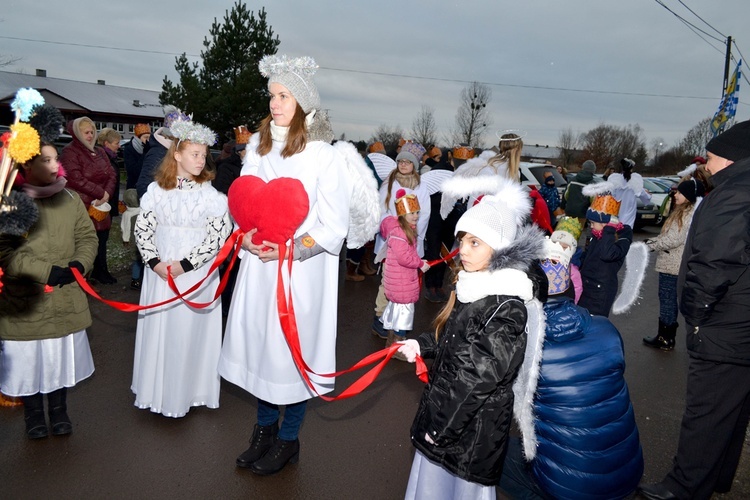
366, 268
351, 272
392, 339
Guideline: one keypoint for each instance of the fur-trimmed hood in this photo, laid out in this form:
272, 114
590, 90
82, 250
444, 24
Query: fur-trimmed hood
521, 254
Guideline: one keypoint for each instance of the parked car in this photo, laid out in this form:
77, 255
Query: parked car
533, 173
647, 214
660, 192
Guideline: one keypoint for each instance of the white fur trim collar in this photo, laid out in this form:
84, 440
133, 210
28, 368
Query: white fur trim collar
471, 287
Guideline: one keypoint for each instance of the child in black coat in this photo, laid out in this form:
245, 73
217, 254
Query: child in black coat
605, 253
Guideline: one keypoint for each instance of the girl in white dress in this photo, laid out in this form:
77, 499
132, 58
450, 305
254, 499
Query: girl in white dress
293, 141
182, 224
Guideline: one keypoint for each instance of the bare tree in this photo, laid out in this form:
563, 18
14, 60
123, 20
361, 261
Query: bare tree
607, 144
472, 117
424, 129
694, 143
567, 141
388, 135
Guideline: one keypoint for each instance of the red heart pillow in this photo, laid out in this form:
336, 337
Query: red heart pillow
276, 208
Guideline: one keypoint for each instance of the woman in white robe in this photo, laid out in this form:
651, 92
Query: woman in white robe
292, 142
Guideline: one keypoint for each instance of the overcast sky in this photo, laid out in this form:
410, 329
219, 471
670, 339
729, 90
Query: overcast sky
549, 64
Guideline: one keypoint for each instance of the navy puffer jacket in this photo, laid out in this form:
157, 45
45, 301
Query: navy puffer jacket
588, 439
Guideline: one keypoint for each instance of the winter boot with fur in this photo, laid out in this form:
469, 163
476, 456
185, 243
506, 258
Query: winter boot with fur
664, 340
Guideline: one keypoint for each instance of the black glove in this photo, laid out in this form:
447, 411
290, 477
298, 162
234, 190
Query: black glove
60, 276
77, 265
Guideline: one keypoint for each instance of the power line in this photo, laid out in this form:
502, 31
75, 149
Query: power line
699, 17
688, 22
536, 87
124, 49
394, 75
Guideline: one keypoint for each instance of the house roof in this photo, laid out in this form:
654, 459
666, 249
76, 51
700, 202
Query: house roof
70, 95
543, 152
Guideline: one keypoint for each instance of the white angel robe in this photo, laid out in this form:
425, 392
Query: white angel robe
255, 354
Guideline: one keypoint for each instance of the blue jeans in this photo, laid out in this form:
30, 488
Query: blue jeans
294, 414
668, 298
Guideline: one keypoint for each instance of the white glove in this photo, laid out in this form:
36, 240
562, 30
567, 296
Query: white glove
425, 266
428, 438
410, 349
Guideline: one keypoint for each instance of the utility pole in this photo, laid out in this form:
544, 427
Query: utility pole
727, 60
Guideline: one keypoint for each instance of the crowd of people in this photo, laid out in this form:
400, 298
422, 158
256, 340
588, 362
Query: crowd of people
524, 331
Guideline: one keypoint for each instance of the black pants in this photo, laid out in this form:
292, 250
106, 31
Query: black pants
717, 408
100, 262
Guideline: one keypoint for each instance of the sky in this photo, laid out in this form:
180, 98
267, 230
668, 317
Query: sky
549, 64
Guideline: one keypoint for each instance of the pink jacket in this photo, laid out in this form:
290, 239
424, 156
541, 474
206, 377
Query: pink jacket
401, 276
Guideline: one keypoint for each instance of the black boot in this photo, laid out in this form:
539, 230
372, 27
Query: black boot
58, 412
33, 415
260, 443
664, 340
281, 453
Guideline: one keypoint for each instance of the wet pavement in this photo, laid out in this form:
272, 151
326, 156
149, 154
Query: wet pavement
354, 448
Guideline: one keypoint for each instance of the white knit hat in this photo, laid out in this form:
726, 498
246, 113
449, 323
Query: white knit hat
495, 219
296, 75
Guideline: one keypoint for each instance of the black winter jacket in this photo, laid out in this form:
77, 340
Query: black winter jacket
227, 171
714, 275
467, 406
601, 261
151, 161
574, 201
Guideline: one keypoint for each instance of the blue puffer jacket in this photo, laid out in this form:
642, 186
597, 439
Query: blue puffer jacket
588, 440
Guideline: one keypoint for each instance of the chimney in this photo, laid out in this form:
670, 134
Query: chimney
100, 82
136, 103
41, 72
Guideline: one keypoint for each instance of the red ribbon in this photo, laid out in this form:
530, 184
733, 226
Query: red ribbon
233, 242
286, 317
291, 334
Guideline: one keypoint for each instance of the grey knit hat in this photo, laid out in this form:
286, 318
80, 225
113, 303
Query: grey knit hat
589, 166
296, 75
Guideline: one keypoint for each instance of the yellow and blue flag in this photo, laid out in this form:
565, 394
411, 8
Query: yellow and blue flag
728, 106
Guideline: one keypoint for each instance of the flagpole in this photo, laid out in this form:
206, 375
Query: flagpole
727, 61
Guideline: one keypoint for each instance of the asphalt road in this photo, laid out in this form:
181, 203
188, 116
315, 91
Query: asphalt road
355, 448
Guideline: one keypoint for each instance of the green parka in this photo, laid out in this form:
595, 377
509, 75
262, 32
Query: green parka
63, 233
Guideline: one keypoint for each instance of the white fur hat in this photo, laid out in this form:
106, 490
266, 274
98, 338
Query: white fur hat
495, 219
296, 74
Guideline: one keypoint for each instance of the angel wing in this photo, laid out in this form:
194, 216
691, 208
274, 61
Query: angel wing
434, 179
636, 262
383, 164
364, 209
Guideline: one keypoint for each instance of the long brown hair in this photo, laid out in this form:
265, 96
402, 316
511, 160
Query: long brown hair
510, 147
411, 234
442, 318
296, 138
412, 178
678, 215
166, 174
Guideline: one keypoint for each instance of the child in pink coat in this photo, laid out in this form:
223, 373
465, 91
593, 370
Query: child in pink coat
401, 278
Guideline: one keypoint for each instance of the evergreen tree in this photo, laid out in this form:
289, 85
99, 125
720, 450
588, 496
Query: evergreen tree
227, 89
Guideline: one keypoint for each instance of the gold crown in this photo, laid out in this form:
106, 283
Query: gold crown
242, 134
407, 204
606, 204
463, 153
